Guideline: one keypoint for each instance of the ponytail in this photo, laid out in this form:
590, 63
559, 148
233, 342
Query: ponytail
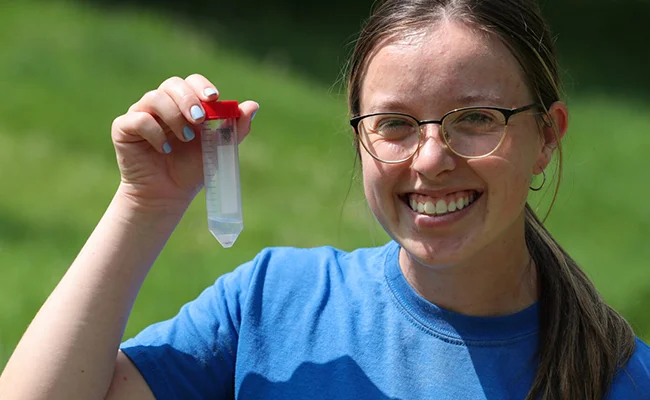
583, 342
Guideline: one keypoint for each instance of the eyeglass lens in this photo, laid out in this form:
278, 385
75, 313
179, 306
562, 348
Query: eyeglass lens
469, 133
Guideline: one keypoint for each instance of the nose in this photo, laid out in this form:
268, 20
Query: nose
433, 157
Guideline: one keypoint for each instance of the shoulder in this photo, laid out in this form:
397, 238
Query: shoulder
633, 381
318, 255
281, 277
286, 262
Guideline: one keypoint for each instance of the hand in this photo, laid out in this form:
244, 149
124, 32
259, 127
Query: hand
158, 145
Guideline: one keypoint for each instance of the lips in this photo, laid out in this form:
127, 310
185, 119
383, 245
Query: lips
440, 205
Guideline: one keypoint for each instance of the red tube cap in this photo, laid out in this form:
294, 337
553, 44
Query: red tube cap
221, 109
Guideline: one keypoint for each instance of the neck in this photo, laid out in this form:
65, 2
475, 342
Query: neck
500, 279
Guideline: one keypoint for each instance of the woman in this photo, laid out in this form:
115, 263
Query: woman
455, 107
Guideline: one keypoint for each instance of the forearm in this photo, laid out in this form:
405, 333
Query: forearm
69, 349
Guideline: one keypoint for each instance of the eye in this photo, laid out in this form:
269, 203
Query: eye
476, 117
390, 127
474, 121
389, 123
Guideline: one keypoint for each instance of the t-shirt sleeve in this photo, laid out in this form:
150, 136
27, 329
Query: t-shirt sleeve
192, 355
633, 382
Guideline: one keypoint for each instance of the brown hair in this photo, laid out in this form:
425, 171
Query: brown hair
583, 342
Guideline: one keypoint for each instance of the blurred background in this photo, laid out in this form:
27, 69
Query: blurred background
68, 68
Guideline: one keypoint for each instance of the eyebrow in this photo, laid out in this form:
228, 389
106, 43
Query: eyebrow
477, 99
391, 104
464, 100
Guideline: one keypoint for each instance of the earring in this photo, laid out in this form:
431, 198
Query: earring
540, 186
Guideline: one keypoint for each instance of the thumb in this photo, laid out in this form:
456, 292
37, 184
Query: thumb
248, 110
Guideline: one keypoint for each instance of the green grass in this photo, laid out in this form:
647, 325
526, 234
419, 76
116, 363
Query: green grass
67, 71
65, 84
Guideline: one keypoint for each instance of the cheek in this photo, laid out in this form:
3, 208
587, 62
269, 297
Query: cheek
370, 176
516, 159
507, 178
379, 182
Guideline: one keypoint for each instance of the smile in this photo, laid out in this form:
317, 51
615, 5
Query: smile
439, 206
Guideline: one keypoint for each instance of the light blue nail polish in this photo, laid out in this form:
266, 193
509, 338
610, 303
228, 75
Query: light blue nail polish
209, 92
253, 115
196, 112
167, 148
188, 133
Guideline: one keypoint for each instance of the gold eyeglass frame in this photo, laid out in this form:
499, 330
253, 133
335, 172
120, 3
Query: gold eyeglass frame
507, 114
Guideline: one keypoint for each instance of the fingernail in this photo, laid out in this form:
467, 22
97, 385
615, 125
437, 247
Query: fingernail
196, 112
210, 92
253, 115
188, 133
167, 148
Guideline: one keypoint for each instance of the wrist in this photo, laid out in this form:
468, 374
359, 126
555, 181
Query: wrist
133, 233
138, 207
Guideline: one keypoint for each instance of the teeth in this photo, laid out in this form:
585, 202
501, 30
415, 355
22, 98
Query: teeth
441, 207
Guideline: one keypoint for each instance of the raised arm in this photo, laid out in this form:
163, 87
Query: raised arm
70, 350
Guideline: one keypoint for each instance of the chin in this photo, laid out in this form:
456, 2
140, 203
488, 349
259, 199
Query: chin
439, 241
436, 253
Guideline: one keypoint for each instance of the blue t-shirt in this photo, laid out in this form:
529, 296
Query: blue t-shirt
326, 324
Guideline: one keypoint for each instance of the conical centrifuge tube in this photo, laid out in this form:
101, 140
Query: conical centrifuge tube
221, 170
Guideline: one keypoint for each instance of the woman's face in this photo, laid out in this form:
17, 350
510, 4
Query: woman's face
426, 74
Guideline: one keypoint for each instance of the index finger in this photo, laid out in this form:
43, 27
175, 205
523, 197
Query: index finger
203, 88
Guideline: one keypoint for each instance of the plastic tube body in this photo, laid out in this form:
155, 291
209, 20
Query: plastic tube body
221, 179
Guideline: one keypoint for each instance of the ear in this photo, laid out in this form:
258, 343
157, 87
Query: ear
555, 126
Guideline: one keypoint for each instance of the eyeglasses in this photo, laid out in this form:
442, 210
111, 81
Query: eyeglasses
469, 132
